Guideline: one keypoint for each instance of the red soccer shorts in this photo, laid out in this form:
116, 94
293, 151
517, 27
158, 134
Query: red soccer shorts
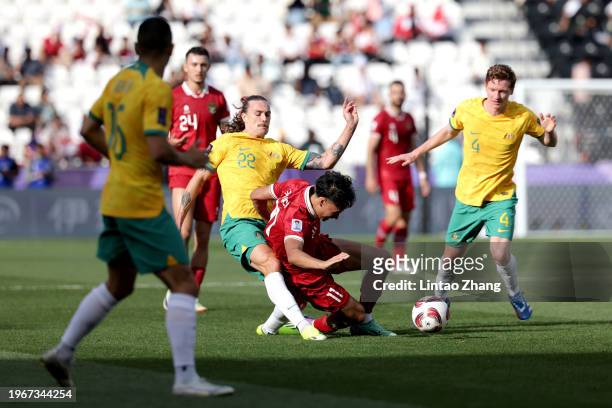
316, 286
207, 202
398, 192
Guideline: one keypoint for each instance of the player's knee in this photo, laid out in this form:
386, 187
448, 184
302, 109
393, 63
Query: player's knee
500, 256
391, 218
181, 280
271, 264
266, 262
120, 290
354, 311
400, 223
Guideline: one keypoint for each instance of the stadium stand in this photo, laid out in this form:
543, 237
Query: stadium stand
310, 55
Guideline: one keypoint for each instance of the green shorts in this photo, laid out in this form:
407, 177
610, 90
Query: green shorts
240, 236
467, 221
154, 244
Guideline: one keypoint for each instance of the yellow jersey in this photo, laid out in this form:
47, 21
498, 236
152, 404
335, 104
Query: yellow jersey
245, 163
135, 104
490, 148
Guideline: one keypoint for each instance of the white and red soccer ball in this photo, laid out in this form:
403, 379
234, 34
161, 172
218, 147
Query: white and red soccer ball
430, 314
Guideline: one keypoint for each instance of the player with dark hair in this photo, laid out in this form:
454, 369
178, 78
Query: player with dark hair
129, 124
493, 128
309, 258
394, 132
244, 161
198, 109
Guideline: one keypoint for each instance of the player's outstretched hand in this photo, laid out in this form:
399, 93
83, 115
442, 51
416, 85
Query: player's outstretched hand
177, 141
349, 111
549, 122
405, 159
331, 262
195, 158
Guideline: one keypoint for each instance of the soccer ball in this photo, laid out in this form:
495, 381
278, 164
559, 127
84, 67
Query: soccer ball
430, 314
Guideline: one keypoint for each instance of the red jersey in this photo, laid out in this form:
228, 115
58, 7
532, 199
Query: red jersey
397, 134
292, 218
197, 116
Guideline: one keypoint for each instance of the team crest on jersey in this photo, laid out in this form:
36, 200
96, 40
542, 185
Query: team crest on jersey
296, 225
509, 136
212, 108
185, 108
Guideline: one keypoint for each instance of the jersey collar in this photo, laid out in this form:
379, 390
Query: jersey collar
311, 210
189, 92
400, 115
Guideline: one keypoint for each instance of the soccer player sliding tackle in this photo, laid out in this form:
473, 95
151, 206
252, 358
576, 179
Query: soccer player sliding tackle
245, 160
309, 258
493, 128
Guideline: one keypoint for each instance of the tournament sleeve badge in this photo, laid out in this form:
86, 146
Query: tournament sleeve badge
296, 225
161, 116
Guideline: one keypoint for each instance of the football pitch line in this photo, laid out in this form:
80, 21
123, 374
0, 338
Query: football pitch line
232, 284
104, 385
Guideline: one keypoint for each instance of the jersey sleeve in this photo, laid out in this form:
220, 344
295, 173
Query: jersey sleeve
378, 125
173, 115
216, 153
157, 108
297, 225
223, 114
295, 158
277, 189
534, 127
96, 112
456, 119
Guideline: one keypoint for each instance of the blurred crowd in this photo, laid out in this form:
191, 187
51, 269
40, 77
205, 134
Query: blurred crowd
576, 35
364, 33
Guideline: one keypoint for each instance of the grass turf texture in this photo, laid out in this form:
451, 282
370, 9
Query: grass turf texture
485, 357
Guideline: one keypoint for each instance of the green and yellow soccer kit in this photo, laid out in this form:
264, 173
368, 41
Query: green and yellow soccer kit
136, 104
485, 191
243, 164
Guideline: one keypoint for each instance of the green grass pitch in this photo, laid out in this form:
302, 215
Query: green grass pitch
485, 357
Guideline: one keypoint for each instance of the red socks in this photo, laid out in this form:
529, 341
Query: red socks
399, 241
323, 325
381, 233
199, 275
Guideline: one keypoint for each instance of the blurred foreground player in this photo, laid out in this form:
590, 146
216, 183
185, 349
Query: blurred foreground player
197, 110
493, 128
309, 258
394, 132
129, 124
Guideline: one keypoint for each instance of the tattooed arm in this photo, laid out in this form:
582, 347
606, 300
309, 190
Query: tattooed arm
331, 156
191, 192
